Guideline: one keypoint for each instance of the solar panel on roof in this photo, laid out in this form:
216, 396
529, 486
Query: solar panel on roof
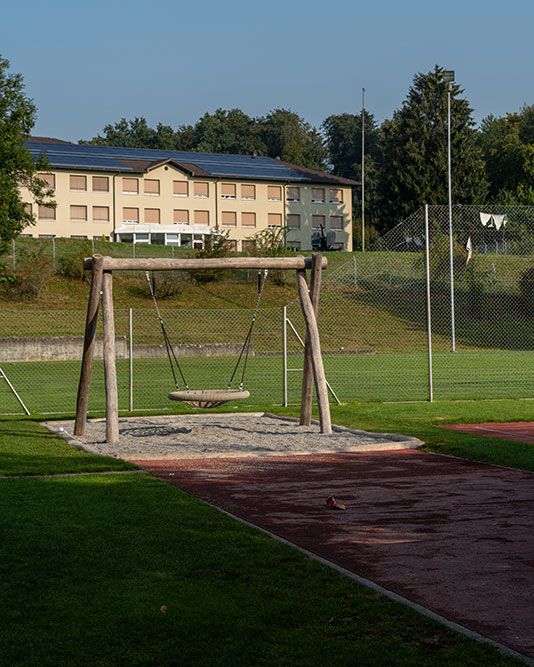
106, 157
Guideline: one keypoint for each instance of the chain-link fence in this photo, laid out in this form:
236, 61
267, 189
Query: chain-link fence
373, 324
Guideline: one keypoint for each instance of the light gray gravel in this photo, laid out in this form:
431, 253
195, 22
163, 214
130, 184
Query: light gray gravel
223, 435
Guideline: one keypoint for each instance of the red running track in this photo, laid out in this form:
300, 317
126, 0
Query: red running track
523, 431
452, 535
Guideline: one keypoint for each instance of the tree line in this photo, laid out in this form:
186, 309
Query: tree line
405, 156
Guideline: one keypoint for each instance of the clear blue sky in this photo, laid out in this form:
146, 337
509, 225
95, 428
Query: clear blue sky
87, 64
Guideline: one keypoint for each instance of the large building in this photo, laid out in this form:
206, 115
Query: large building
178, 198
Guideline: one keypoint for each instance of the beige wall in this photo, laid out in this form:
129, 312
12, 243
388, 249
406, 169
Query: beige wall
166, 202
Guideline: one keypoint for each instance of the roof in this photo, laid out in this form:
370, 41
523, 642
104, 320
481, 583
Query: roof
63, 155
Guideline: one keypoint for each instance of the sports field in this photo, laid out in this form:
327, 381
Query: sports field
51, 386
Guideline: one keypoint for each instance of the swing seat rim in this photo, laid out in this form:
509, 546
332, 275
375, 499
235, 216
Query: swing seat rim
209, 395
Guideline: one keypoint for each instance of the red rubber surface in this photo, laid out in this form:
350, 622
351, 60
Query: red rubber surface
523, 431
454, 536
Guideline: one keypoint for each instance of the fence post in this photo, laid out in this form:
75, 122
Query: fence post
428, 311
130, 356
13, 252
54, 251
355, 271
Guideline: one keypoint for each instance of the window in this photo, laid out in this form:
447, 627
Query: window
78, 183
130, 215
293, 194
228, 190
47, 236
180, 188
47, 213
101, 213
247, 246
274, 193
229, 218
201, 189
293, 221
248, 192
130, 186
248, 219
232, 245
151, 187
201, 217
336, 222
293, 245
336, 196
274, 220
77, 236
318, 221
100, 184
28, 208
152, 216
78, 213
318, 195
49, 179
142, 238
181, 215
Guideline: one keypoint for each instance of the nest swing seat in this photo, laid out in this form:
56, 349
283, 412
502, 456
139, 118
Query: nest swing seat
208, 398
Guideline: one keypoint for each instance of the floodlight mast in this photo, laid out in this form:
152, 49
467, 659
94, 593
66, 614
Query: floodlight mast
448, 78
363, 169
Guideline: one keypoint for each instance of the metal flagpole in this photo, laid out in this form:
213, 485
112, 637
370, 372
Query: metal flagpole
363, 169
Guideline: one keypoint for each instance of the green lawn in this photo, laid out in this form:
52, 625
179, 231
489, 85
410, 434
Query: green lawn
86, 563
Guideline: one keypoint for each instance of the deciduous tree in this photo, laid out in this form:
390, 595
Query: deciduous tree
17, 167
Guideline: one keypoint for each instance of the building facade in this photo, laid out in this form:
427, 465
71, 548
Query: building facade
177, 198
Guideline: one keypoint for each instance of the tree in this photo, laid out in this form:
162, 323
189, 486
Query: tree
137, 133
343, 139
231, 132
507, 145
413, 152
17, 167
289, 137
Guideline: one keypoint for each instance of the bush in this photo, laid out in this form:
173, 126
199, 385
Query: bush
71, 265
271, 242
217, 245
30, 277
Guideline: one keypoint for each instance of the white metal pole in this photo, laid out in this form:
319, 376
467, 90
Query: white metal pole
284, 352
451, 263
428, 312
130, 355
363, 169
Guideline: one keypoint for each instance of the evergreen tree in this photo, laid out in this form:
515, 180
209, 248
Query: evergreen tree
413, 147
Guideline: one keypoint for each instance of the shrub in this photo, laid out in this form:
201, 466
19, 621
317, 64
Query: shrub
30, 277
271, 242
217, 245
70, 265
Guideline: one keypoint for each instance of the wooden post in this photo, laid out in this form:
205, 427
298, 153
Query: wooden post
88, 345
315, 353
110, 371
307, 377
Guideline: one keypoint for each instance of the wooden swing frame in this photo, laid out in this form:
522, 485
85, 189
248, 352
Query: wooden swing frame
101, 284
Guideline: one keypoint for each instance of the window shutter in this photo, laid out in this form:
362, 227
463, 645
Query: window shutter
180, 188
293, 221
78, 182
248, 192
228, 190
336, 222
47, 213
181, 215
100, 184
49, 179
78, 212
274, 220
274, 192
293, 193
101, 213
130, 214
151, 186
152, 215
336, 195
130, 185
202, 217
201, 189
318, 194
229, 218
248, 219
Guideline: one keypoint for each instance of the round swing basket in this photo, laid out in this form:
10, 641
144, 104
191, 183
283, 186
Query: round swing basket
208, 398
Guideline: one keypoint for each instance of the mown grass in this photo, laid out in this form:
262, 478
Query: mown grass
87, 563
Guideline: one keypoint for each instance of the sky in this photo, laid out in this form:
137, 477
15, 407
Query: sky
89, 64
